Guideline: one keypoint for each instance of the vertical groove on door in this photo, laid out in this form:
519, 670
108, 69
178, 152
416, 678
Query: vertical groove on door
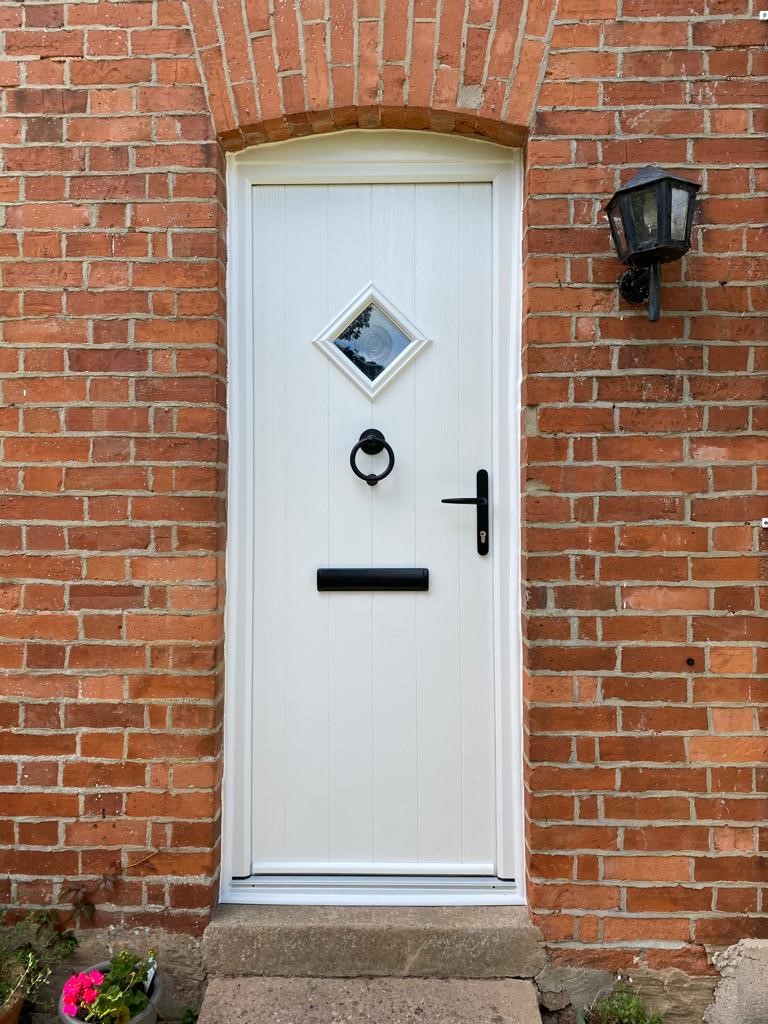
461, 473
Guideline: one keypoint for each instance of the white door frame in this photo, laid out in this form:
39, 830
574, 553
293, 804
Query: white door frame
368, 157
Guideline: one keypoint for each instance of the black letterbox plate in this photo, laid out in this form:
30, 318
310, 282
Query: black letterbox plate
373, 579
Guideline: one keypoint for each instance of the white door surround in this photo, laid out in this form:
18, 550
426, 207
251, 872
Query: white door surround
256, 180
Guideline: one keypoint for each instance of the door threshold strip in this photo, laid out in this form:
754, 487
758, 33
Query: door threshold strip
357, 890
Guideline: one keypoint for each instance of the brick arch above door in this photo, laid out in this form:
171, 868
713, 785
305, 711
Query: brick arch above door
297, 67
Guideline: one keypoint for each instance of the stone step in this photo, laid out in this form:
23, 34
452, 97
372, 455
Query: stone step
368, 1001
351, 942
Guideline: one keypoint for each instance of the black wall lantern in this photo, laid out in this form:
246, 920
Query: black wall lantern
650, 218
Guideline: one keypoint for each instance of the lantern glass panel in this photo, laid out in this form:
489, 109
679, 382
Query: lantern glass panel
680, 198
644, 206
618, 231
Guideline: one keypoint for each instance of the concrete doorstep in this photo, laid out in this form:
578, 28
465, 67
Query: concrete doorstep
368, 1001
365, 942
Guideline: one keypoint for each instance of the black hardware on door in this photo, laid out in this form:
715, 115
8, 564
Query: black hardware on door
481, 501
372, 442
373, 579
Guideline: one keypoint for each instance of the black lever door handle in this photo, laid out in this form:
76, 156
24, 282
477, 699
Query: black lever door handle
481, 502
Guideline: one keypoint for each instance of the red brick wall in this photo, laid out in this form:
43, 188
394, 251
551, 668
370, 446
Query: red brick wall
112, 415
644, 443
645, 458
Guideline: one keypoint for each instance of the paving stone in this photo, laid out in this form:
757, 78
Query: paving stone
368, 1001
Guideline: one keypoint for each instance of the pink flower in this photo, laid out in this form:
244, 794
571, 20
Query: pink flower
73, 987
81, 990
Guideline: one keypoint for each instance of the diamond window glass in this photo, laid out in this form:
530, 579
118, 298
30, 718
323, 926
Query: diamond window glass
372, 341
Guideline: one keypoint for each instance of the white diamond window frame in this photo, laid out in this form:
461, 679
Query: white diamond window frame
326, 341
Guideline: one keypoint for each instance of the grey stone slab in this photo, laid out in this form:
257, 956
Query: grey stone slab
348, 942
579, 987
368, 1001
679, 998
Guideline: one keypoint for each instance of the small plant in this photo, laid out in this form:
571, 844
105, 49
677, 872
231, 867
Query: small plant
81, 896
114, 996
622, 1006
29, 950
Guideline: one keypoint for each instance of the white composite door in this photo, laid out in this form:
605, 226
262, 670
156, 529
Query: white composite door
373, 736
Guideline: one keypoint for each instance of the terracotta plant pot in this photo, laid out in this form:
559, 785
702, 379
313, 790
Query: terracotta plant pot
147, 1016
10, 1011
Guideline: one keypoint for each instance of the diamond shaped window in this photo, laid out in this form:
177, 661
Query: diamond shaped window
370, 341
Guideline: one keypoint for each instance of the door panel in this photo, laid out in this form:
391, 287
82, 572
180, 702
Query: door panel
349, 543
475, 320
373, 717
395, 725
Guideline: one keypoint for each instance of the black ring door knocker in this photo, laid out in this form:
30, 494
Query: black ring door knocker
372, 442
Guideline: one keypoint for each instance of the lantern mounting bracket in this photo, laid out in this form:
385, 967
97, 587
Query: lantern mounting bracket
633, 285
640, 285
